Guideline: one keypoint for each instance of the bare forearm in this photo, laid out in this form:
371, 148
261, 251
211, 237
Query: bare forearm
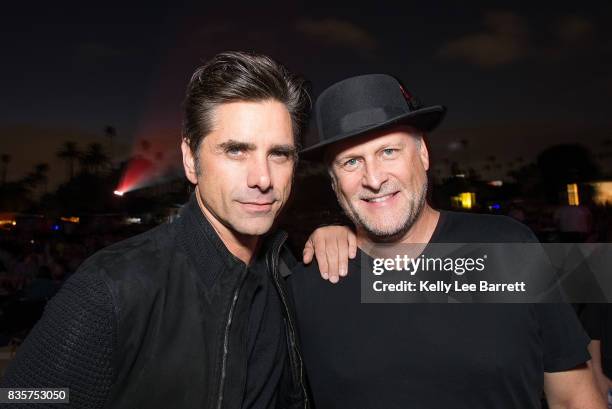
573, 389
604, 384
602, 381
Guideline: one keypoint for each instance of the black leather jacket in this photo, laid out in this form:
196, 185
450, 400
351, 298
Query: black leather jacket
180, 305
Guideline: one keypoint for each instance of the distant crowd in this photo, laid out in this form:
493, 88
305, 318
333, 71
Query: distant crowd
34, 264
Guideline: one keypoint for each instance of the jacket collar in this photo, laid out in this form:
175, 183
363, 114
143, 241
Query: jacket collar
205, 247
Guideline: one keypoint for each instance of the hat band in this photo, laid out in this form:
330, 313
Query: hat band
368, 117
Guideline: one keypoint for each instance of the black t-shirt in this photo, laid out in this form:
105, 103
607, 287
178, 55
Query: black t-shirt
597, 321
367, 356
266, 343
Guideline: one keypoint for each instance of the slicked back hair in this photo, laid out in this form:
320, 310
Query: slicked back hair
237, 76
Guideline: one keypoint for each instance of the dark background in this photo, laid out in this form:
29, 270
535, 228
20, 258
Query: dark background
91, 103
516, 76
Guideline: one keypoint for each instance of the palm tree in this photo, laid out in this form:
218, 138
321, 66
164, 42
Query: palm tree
94, 158
70, 153
37, 177
41, 170
6, 159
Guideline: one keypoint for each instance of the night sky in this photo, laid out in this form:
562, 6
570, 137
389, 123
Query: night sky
516, 77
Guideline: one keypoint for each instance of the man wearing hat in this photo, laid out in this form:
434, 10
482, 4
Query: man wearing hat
371, 137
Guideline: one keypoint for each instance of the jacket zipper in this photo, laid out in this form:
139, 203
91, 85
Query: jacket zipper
226, 339
276, 254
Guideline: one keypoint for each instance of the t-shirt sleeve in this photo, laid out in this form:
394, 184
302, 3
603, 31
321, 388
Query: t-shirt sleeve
71, 346
592, 318
564, 341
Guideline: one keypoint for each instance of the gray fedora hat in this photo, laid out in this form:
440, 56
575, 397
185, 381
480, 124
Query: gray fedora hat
366, 103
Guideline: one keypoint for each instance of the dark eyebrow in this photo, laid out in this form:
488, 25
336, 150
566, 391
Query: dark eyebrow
288, 150
236, 145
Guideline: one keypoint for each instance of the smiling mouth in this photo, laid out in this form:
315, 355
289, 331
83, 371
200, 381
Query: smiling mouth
257, 206
379, 199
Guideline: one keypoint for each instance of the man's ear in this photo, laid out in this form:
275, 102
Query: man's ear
189, 163
423, 153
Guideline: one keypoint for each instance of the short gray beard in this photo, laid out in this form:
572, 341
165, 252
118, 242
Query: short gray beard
379, 236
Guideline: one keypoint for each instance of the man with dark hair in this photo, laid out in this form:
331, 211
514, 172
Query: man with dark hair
192, 314
226, 79
364, 356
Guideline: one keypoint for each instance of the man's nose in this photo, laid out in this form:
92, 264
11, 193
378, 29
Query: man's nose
259, 174
374, 176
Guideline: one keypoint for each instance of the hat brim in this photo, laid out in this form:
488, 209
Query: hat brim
424, 119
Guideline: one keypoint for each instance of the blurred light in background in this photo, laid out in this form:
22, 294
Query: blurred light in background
139, 172
70, 219
572, 194
464, 200
602, 193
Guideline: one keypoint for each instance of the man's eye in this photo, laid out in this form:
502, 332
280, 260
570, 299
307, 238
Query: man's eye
234, 151
281, 154
351, 163
389, 152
